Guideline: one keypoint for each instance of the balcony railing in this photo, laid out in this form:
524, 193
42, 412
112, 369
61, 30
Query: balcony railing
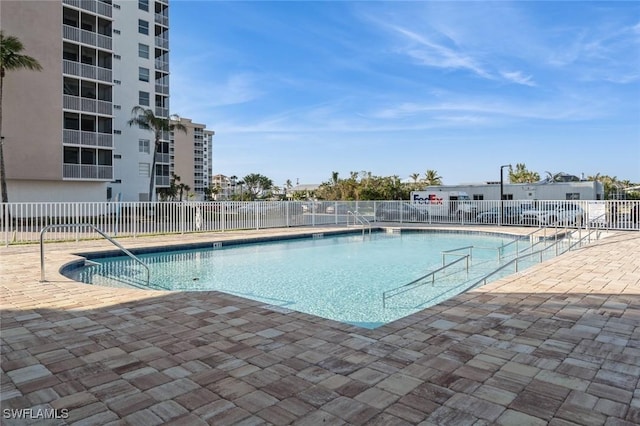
163, 158
162, 88
87, 171
162, 43
105, 140
162, 65
87, 71
163, 181
162, 19
77, 137
97, 7
77, 103
86, 37
162, 112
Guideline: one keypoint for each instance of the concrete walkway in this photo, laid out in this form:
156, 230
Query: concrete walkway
556, 344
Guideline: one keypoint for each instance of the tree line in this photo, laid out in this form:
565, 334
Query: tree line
365, 186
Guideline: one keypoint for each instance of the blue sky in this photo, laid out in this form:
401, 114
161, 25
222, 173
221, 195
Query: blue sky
297, 89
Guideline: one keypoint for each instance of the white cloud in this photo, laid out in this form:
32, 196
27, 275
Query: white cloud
437, 55
518, 77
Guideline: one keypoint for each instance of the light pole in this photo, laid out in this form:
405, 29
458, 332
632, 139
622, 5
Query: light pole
502, 193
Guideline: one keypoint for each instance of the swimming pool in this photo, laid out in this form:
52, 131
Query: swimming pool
339, 277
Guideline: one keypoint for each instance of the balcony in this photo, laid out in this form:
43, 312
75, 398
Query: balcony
78, 137
87, 172
163, 181
87, 37
87, 71
97, 7
77, 103
162, 88
163, 158
162, 112
162, 43
162, 19
162, 65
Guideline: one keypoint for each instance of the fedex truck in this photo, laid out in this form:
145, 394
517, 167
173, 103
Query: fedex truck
444, 203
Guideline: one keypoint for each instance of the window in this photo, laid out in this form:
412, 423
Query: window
143, 26
144, 145
143, 51
143, 169
71, 155
143, 5
572, 196
507, 196
143, 98
143, 74
105, 157
71, 121
71, 86
478, 197
88, 156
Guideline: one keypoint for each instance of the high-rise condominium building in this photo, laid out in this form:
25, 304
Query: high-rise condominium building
192, 156
65, 130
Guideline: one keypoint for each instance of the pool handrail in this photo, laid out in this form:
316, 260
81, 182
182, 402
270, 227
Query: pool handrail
360, 218
417, 280
540, 252
111, 240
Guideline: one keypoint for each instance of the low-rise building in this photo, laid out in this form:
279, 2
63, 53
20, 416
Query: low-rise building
543, 190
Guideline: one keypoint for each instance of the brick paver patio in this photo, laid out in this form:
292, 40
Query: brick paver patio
556, 344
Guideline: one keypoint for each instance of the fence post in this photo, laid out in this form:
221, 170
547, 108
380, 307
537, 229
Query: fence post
5, 223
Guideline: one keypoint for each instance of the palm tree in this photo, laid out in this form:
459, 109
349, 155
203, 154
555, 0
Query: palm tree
522, 175
257, 184
415, 177
146, 119
431, 177
10, 60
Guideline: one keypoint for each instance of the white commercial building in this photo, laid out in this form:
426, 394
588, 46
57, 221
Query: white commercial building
582, 190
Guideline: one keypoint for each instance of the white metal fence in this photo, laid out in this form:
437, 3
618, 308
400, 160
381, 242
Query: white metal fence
22, 222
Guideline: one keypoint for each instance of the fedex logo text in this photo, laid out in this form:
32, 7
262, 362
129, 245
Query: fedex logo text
429, 199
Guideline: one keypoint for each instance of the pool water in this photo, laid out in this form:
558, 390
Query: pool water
340, 277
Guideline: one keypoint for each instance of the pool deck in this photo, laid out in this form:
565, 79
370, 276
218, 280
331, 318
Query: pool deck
556, 344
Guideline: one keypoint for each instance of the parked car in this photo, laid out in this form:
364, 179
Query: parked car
554, 213
510, 215
311, 207
399, 211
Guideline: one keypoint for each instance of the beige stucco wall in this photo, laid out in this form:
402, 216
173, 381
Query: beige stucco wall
32, 101
21, 191
183, 146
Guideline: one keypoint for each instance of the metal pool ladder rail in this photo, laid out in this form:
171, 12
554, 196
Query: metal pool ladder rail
111, 240
421, 281
359, 218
